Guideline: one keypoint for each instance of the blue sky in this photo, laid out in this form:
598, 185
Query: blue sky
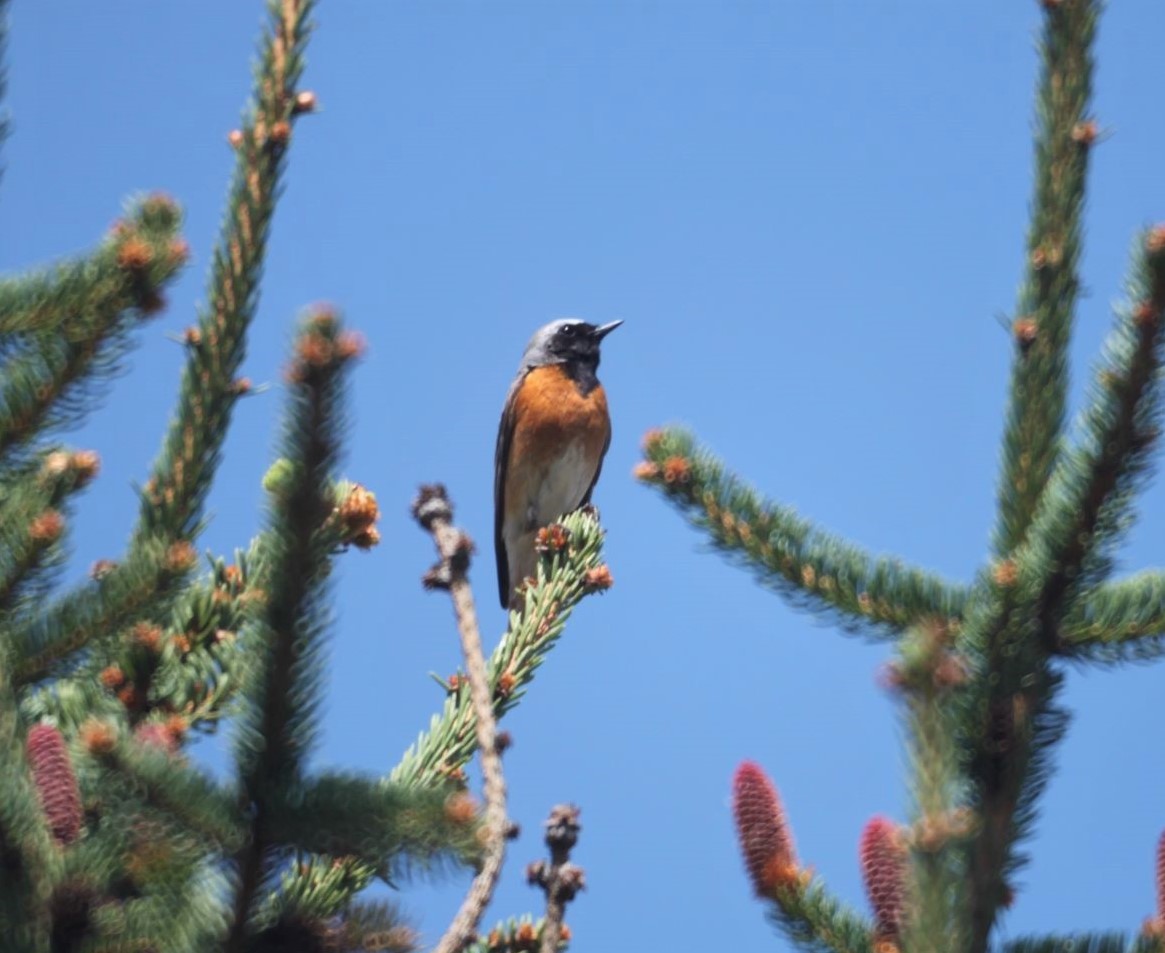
810, 216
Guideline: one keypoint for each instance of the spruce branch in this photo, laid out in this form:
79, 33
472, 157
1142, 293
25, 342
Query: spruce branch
1118, 621
1047, 298
91, 305
565, 576
1017, 624
811, 917
809, 566
1079, 943
392, 828
1086, 503
40, 643
926, 674
434, 512
559, 879
32, 520
182, 474
516, 934
277, 722
165, 782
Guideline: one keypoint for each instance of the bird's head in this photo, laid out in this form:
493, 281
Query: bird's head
567, 341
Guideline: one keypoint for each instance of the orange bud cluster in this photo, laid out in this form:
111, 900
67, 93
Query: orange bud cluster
506, 684
1085, 132
676, 469
652, 439
646, 471
460, 808
598, 579
1025, 331
1005, 573
181, 557
525, 937
359, 512
134, 254
763, 831
280, 133
178, 252
305, 102
147, 635
47, 528
86, 464
98, 737
1156, 240
101, 568
552, 539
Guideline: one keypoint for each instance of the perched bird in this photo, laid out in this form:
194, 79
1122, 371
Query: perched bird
553, 436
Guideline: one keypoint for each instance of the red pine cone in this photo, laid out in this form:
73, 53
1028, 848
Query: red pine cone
1161, 878
763, 830
52, 773
883, 860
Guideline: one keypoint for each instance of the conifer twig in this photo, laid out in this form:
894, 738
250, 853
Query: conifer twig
565, 577
182, 474
278, 719
926, 673
1118, 620
1080, 943
809, 566
100, 298
1047, 298
48, 638
435, 514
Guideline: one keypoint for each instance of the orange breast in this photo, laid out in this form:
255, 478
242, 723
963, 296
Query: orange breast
550, 414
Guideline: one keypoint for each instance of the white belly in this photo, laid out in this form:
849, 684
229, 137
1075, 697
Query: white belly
561, 489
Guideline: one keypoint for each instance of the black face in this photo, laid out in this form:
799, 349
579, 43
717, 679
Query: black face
577, 341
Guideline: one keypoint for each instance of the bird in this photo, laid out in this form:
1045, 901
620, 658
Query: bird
554, 432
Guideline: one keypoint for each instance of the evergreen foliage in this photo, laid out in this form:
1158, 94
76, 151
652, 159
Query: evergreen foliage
111, 838
980, 664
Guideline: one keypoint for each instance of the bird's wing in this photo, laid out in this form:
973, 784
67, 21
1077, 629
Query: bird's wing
501, 462
599, 469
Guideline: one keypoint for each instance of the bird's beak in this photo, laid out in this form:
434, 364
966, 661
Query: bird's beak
602, 331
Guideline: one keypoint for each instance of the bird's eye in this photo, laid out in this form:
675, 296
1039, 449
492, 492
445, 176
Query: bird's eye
567, 331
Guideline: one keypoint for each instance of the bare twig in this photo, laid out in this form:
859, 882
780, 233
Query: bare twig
434, 512
560, 880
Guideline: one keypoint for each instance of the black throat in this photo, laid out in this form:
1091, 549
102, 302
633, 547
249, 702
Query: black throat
583, 371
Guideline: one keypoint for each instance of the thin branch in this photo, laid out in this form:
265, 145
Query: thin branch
434, 512
560, 880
